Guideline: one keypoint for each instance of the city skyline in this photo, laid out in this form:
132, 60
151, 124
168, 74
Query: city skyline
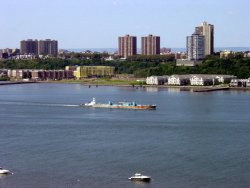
96, 24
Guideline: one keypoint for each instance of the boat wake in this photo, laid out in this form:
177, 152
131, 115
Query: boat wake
36, 104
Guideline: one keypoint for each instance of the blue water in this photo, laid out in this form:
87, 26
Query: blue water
191, 140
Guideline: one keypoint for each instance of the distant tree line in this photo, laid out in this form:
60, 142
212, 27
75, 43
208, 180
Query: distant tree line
152, 58
141, 66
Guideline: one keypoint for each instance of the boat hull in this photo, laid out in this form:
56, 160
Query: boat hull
137, 107
5, 172
140, 179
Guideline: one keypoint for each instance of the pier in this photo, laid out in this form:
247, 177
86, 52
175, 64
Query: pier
210, 89
16, 82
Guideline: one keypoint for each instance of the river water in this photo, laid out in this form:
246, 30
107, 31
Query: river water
191, 140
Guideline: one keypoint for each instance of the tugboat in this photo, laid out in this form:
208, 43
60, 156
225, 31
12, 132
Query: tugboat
121, 105
140, 177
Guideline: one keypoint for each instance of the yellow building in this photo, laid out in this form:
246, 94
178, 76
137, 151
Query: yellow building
94, 71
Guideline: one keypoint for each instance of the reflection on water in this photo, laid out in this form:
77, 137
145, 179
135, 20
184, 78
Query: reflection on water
141, 183
152, 89
174, 90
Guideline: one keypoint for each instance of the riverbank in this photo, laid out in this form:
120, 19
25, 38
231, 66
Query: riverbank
16, 82
125, 83
128, 83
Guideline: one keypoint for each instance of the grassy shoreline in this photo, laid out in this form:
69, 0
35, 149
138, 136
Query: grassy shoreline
125, 83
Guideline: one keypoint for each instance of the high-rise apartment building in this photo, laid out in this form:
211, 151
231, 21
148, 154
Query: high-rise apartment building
195, 47
207, 30
150, 45
48, 47
29, 47
41, 47
127, 46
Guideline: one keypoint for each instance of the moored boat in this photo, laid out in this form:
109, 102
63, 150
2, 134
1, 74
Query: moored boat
140, 177
4, 171
121, 105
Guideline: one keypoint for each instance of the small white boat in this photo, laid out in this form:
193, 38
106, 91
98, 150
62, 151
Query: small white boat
4, 171
89, 103
140, 177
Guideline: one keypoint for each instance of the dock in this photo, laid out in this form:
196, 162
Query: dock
18, 82
210, 89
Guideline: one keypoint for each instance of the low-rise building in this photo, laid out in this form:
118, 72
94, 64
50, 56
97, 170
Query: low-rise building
94, 71
3, 72
224, 78
248, 82
187, 62
35, 74
19, 74
179, 80
157, 80
52, 74
240, 82
202, 80
210, 79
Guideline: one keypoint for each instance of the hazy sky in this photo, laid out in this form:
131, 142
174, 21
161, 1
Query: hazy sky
98, 23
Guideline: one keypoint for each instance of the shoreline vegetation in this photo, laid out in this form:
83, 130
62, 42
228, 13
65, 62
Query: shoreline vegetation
140, 66
125, 83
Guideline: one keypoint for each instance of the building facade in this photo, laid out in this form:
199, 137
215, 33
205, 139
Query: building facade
127, 46
41, 47
157, 80
29, 47
48, 47
207, 30
195, 47
179, 80
150, 45
94, 71
34, 74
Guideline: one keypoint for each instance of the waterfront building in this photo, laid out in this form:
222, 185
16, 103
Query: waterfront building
94, 71
150, 45
29, 47
127, 46
19, 74
248, 82
179, 80
40, 74
207, 30
3, 72
210, 79
201, 80
224, 78
240, 82
48, 47
157, 80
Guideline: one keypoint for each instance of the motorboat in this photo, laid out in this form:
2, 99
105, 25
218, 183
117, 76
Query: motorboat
5, 171
140, 177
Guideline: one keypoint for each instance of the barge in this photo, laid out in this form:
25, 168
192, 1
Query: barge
120, 105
